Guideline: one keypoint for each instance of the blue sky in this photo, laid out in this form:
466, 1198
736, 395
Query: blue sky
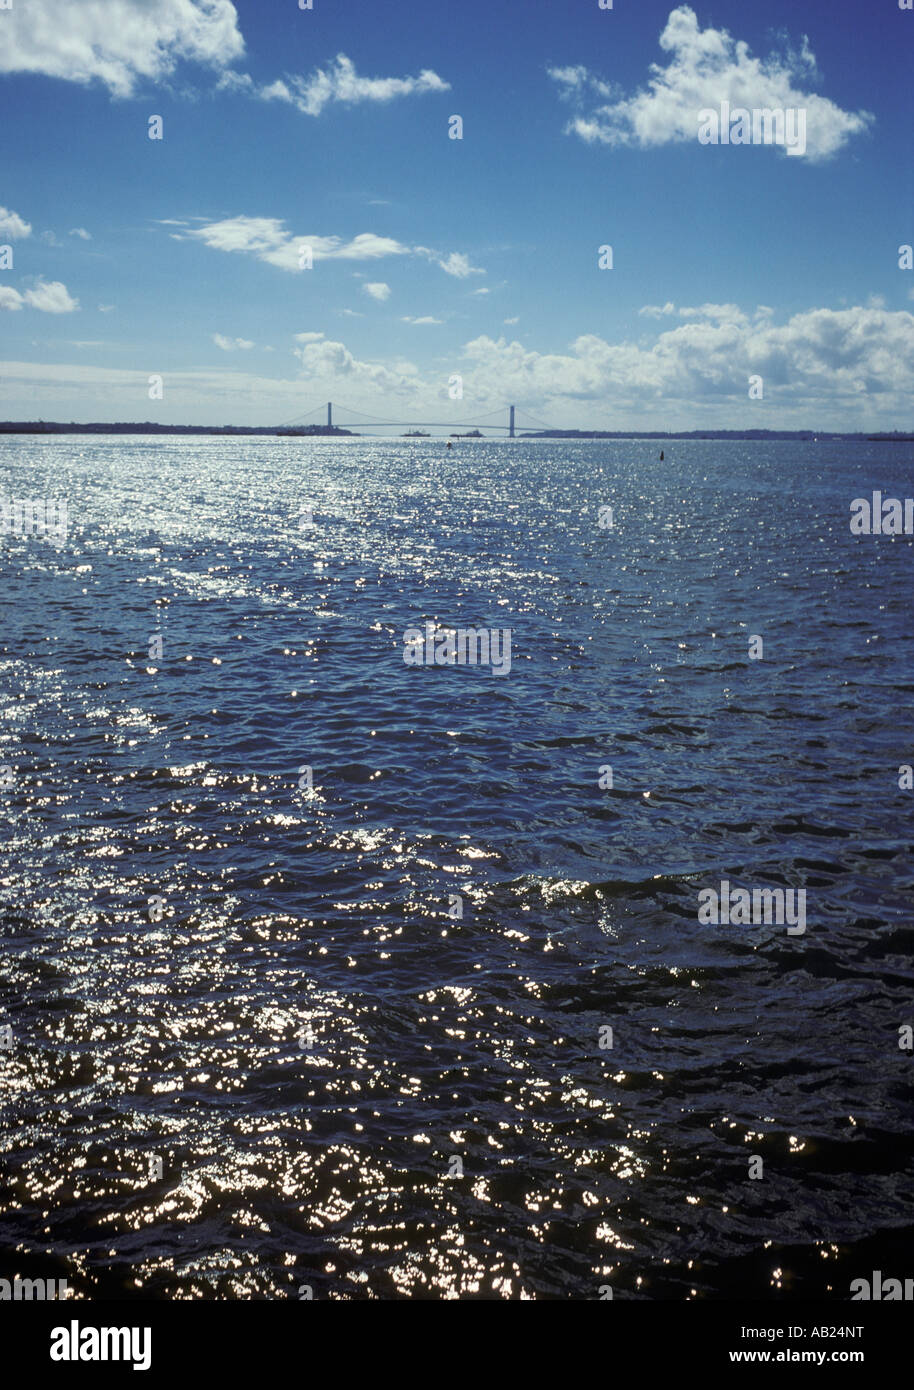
436, 257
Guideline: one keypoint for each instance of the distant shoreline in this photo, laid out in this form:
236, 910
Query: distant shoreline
150, 427
323, 431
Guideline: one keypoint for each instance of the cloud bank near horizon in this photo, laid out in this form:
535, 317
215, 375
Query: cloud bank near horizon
820, 368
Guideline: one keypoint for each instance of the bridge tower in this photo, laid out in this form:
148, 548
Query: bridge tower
329, 415
511, 424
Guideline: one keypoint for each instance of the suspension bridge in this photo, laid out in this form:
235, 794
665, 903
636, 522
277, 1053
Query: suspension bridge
512, 427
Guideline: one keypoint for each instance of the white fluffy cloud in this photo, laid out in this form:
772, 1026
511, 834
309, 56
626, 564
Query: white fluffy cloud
456, 264
51, 297
378, 290
81, 233
706, 67
341, 83
332, 366
13, 226
269, 239
48, 297
231, 344
416, 322
118, 42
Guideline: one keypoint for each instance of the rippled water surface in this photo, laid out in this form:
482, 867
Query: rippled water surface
271, 990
